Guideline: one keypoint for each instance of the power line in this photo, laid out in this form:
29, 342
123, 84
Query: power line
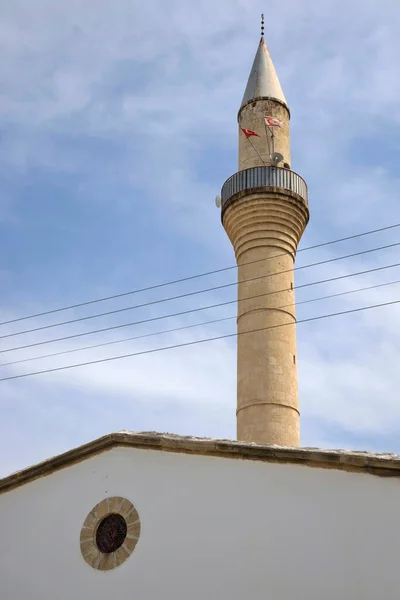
191, 277
185, 327
189, 294
194, 342
192, 310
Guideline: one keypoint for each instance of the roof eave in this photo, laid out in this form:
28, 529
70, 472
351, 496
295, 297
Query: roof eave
385, 465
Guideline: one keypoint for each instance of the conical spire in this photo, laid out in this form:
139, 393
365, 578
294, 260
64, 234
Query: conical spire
263, 80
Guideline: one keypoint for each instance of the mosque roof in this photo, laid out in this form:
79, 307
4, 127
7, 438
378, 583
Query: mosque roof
386, 465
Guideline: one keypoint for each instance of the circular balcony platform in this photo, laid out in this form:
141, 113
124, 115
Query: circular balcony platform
260, 177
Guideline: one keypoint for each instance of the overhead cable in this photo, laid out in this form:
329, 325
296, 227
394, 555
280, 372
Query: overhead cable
191, 277
195, 293
185, 327
192, 343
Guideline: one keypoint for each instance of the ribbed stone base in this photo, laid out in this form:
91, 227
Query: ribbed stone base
265, 228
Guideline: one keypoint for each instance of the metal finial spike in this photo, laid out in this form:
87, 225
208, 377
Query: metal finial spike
262, 25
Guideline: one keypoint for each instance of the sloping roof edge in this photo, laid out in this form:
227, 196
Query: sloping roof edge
384, 465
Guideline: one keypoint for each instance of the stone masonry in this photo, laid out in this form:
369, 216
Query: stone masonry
264, 225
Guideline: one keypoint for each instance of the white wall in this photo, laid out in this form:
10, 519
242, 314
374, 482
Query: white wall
211, 528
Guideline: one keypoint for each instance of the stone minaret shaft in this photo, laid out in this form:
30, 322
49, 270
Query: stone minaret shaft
264, 213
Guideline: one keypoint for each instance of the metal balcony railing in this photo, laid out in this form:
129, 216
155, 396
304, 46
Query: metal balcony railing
264, 177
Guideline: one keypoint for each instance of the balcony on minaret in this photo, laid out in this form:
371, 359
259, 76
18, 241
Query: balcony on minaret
263, 179
264, 211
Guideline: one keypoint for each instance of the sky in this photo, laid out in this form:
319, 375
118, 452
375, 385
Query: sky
117, 130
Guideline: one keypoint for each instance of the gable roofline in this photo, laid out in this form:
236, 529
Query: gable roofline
384, 465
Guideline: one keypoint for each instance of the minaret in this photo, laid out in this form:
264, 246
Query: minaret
264, 210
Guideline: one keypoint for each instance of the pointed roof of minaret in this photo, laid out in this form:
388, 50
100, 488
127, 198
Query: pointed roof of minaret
263, 80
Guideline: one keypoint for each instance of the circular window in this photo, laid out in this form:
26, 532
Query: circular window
110, 533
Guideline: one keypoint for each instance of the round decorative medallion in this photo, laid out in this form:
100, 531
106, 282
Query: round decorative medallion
110, 533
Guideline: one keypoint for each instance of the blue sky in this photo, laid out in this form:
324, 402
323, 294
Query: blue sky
117, 129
